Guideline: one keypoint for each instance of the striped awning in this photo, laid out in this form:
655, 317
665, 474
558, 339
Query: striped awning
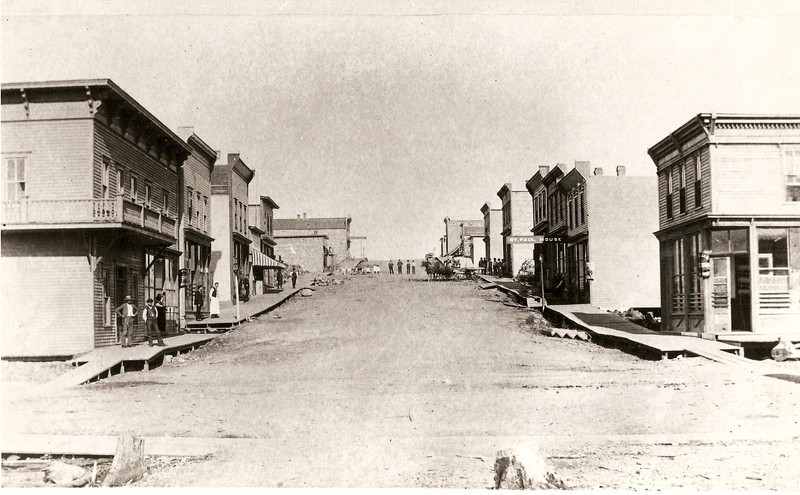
257, 258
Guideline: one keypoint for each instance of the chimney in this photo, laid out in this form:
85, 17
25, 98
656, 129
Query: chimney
219, 155
304, 216
544, 170
598, 171
232, 157
583, 168
620, 170
185, 132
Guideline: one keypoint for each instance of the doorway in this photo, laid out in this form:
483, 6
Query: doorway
731, 294
120, 291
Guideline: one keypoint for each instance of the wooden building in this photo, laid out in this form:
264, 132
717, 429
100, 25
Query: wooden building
517, 224
262, 250
89, 211
729, 226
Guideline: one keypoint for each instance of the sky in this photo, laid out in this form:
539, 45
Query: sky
399, 114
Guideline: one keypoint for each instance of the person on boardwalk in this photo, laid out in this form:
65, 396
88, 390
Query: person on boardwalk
127, 311
199, 300
150, 317
279, 278
391, 267
162, 312
294, 278
213, 306
408, 267
400, 267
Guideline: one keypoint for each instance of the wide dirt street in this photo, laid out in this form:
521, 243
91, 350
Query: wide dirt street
392, 382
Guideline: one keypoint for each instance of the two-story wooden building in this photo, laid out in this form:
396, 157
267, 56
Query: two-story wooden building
517, 225
196, 215
89, 214
230, 249
492, 232
262, 250
729, 226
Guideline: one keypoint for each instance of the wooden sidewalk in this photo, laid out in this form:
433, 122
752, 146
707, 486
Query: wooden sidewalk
255, 307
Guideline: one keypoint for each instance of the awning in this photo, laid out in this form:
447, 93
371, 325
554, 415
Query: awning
258, 258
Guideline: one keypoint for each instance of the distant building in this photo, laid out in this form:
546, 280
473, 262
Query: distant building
517, 224
458, 236
336, 230
89, 211
492, 232
358, 245
308, 251
230, 250
729, 226
262, 250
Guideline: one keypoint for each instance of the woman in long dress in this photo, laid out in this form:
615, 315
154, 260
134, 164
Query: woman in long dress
214, 305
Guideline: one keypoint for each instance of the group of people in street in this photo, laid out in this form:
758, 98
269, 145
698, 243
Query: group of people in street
495, 266
154, 316
411, 268
199, 300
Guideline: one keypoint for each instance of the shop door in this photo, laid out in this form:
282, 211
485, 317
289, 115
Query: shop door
720, 294
740, 294
120, 291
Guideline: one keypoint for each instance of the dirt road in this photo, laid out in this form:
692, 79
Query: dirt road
398, 382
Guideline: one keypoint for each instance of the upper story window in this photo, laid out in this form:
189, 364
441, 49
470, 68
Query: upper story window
134, 187
148, 194
165, 205
190, 194
235, 214
583, 212
105, 180
668, 174
14, 178
244, 217
120, 181
205, 213
197, 211
791, 167
682, 192
698, 180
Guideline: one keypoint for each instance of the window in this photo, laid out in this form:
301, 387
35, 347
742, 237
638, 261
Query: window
583, 212
197, 210
235, 214
244, 217
14, 177
698, 177
682, 192
205, 213
165, 204
695, 282
791, 167
668, 179
190, 194
678, 289
120, 181
105, 189
106, 296
134, 188
148, 194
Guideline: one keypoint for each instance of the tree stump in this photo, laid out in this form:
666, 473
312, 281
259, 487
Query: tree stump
128, 464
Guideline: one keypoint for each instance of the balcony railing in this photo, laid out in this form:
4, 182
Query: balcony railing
87, 211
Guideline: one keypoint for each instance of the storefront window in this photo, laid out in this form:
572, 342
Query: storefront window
729, 241
695, 284
678, 288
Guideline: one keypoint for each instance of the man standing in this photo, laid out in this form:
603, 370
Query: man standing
213, 307
391, 267
199, 300
414, 268
127, 311
400, 267
279, 278
150, 317
408, 267
294, 278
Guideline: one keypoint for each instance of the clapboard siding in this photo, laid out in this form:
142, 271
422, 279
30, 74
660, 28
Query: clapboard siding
47, 289
672, 167
197, 177
749, 179
132, 158
59, 156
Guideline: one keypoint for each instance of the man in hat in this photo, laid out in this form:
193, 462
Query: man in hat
127, 311
150, 317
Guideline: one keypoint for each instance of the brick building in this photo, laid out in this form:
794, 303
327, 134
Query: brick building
492, 232
230, 250
336, 230
195, 228
262, 250
517, 225
729, 226
90, 214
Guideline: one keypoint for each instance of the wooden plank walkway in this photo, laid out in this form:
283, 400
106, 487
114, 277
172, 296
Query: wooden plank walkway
106, 361
666, 345
257, 306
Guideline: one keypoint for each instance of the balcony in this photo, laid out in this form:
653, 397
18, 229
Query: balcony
85, 213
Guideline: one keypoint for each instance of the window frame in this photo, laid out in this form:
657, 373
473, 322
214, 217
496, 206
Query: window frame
105, 177
21, 185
